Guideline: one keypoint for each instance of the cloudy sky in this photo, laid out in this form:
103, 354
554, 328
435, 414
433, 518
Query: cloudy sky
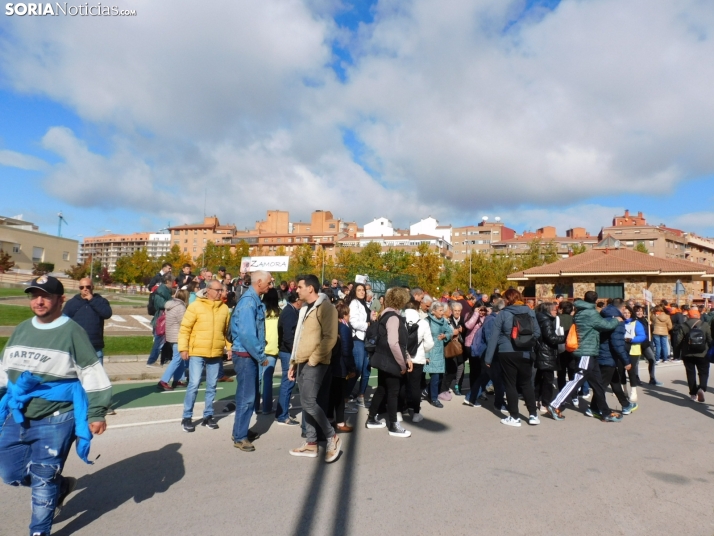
537, 111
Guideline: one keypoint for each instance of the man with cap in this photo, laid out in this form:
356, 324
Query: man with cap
53, 390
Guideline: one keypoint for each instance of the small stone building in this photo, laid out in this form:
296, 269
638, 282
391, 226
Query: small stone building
616, 273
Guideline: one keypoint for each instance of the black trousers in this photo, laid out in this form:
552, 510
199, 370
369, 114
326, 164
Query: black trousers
474, 371
338, 390
565, 368
449, 376
694, 366
517, 375
413, 388
611, 376
387, 387
544, 386
586, 369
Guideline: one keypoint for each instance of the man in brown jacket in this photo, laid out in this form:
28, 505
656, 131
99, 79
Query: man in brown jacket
315, 337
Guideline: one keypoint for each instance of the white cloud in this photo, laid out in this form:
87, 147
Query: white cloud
593, 99
22, 161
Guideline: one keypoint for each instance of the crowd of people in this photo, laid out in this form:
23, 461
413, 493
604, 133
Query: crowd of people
328, 337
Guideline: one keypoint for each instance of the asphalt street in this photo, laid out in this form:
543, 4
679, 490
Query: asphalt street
461, 472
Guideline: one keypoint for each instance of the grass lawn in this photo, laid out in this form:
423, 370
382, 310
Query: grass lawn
12, 315
116, 345
11, 292
137, 345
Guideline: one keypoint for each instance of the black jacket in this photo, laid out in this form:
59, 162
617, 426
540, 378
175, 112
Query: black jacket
287, 323
343, 362
90, 314
547, 347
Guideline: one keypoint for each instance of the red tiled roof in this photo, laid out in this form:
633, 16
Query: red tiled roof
614, 261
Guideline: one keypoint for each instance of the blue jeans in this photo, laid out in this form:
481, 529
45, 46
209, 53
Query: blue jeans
176, 368
282, 412
246, 391
434, 384
33, 454
159, 341
195, 368
266, 385
661, 347
362, 366
100, 356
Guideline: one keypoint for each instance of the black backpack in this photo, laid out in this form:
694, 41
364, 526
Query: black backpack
371, 337
523, 332
150, 307
413, 342
697, 339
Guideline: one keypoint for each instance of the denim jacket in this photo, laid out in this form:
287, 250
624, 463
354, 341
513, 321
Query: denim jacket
248, 326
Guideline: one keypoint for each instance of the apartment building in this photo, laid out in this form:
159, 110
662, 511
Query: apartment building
193, 238
27, 245
519, 244
479, 237
110, 247
659, 240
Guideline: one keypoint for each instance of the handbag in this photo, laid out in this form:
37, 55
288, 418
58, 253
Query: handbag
453, 348
160, 327
571, 342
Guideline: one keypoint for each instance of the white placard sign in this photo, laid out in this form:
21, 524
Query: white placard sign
648, 296
269, 264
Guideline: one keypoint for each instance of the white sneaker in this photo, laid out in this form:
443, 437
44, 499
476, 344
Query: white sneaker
510, 421
396, 430
700, 396
504, 410
588, 396
418, 417
533, 420
633, 394
575, 402
400, 417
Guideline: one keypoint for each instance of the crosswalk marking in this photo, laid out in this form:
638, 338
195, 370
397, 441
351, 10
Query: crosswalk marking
118, 318
142, 319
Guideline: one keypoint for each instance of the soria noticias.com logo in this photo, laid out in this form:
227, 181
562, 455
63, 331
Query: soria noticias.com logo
57, 9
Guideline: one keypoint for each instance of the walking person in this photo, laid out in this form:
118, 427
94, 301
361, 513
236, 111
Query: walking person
695, 343
516, 354
424, 343
456, 363
287, 323
175, 373
48, 414
634, 337
489, 372
391, 361
315, 337
547, 357
441, 333
472, 325
588, 324
247, 327
201, 342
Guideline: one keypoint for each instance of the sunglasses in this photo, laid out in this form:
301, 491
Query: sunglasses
216, 289
88, 287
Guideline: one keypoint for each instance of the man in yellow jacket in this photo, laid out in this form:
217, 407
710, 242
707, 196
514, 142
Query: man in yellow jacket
201, 341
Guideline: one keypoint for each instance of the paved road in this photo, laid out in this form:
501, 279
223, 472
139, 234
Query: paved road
460, 473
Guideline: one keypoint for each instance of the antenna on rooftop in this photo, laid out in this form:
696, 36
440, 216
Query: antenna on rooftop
497, 218
59, 227
485, 218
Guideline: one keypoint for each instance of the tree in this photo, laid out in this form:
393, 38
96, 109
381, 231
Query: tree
136, 268
577, 249
5, 262
42, 268
177, 259
425, 269
369, 261
105, 277
301, 261
538, 254
641, 247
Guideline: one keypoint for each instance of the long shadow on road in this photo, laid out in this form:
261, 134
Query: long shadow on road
139, 478
677, 398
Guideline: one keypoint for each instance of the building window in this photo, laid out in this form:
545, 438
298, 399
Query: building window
185, 250
176, 242
204, 231
38, 254
204, 240
177, 232
65, 255
16, 248
185, 232
610, 290
651, 242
